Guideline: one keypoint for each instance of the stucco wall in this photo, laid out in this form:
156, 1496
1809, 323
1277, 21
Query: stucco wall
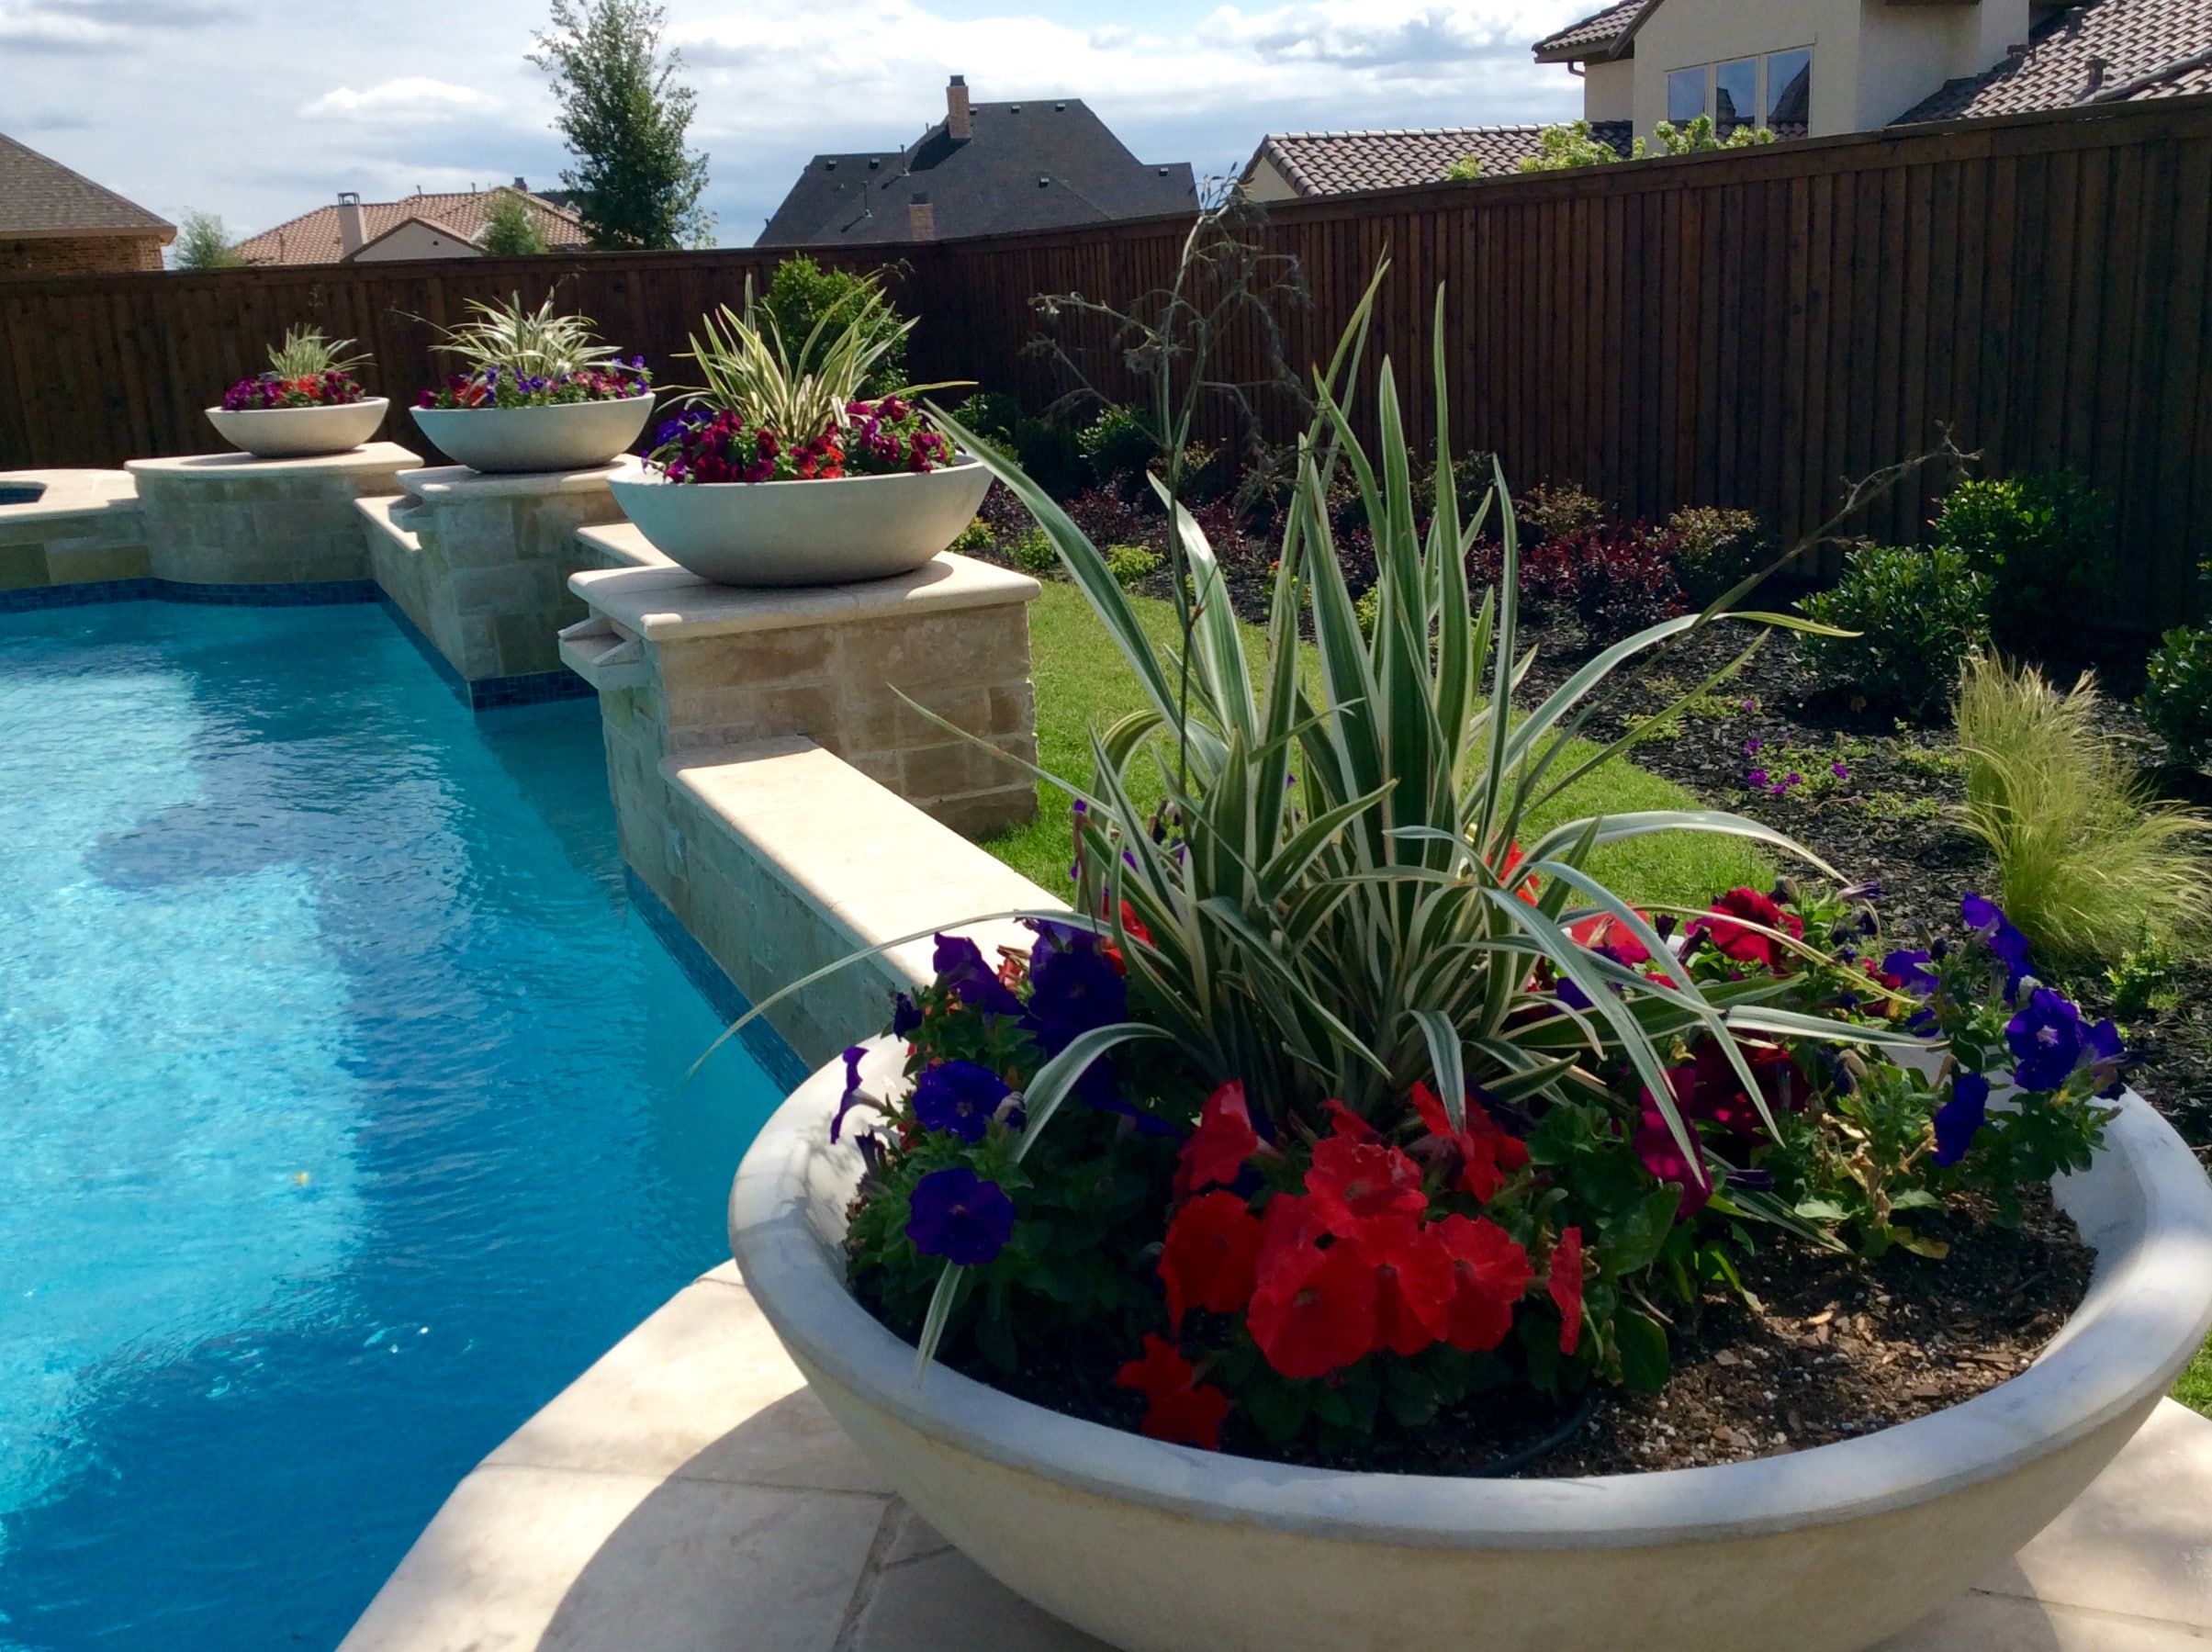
80, 255
1871, 59
1609, 91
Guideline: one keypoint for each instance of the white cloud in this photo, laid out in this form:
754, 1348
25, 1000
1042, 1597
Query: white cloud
411, 98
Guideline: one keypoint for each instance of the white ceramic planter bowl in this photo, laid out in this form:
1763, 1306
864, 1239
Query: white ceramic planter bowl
1152, 1547
301, 432
568, 435
820, 532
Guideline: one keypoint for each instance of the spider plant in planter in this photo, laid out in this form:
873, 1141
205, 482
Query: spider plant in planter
307, 403
538, 391
777, 474
1343, 1104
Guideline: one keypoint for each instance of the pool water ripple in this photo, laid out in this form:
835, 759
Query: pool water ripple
343, 1110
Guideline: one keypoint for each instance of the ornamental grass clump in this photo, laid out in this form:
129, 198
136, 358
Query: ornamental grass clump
512, 356
306, 370
2091, 862
1343, 1098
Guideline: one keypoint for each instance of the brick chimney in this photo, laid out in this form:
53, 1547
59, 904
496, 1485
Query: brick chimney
960, 125
921, 217
349, 232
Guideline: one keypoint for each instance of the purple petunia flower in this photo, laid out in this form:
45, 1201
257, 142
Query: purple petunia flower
1959, 1120
1073, 986
1756, 779
1915, 969
960, 965
959, 1097
852, 1097
905, 1016
1986, 918
958, 1216
2046, 1040
1839, 771
1752, 746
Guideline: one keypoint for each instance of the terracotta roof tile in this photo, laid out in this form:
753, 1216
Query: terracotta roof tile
312, 237
1333, 162
1593, 34
2111, 52
40, 197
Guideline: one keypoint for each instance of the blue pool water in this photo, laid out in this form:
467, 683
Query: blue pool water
344, 1116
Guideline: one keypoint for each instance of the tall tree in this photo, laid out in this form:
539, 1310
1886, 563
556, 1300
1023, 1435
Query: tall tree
202, 243
510, 228
624, 116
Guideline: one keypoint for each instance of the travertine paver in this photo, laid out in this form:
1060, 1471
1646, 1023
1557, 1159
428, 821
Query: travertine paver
687, 1494
84, 529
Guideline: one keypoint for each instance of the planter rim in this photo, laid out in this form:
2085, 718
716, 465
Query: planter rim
653, 479
321, 406
2145, 1206
543, 407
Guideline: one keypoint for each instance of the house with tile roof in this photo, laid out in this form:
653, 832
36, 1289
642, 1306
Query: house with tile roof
54, 221
984, 169
423, 226
1796, 67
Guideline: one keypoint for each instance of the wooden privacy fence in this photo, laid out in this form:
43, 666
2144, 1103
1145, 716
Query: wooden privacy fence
1744, 328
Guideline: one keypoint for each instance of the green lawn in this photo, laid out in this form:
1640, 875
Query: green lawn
2195, 1388
1082, 682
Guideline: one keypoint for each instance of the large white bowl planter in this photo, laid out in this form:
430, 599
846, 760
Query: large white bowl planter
819, 533
565, 435
1152, 1547
301, 432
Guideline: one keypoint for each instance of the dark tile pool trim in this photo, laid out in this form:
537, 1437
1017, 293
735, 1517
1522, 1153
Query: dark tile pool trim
487, 693
777, 1059
317, 594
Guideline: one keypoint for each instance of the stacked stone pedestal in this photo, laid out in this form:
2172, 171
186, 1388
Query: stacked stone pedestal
695, 679
479, 566
229, 527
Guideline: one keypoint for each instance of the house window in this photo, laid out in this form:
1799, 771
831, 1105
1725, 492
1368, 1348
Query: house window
1685, 96
1734, 95
1790, 89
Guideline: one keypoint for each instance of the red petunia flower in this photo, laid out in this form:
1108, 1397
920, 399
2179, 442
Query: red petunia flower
1490, 1274
1290, 1225
1344, 1122
1351, 1181
1316, 1313
1663, 1156
1413, 1283
1178, 1409
1211, 1255
1485, 1152
1607, 934
1223, 1141
1133, 926
1567, 1288
1530, 891
1745, 945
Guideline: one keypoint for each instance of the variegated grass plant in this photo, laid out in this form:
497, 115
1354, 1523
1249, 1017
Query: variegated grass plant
307, 353
528, 343
1335, 901
797, 389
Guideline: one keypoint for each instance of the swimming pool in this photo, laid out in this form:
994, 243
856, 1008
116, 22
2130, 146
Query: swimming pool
344, 1116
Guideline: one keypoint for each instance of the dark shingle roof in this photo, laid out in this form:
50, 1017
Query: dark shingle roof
1595, 36
1333, 162
41, 198
312, 237
2111, 52
1049, 163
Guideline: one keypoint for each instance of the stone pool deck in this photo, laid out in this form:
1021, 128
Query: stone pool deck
688, 1494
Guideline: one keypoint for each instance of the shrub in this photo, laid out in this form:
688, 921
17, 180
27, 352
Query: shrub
1916, 615
1557, 510
2092, 862
1717, 550
1033, 553
1131, 564
202, 243
801, 294
510, 228
2043, 541
976, 536
2177, 695
1617, 580
1118, 444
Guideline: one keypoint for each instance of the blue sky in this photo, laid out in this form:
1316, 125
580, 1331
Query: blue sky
260, 109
